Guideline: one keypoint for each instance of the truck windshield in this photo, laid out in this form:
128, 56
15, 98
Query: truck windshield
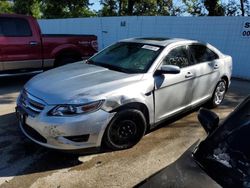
127, 57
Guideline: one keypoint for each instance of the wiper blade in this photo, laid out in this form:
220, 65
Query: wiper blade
112, 67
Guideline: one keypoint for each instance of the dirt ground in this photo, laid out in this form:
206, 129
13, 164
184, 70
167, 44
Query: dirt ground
24, 164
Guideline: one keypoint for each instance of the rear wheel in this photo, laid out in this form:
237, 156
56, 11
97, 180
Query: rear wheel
219, 94
125, 129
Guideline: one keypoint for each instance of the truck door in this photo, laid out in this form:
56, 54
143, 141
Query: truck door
20, 44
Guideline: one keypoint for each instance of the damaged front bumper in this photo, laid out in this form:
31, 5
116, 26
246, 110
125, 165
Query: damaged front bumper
63, 133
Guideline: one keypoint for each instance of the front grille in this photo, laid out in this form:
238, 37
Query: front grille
33, 133
31, 103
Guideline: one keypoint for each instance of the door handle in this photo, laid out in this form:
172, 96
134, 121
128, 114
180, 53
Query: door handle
33, 43
216, 66
189, 75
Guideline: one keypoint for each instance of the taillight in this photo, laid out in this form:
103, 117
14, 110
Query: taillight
94, 44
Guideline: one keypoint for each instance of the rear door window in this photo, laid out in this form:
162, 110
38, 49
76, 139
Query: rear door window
14, 27
202, 54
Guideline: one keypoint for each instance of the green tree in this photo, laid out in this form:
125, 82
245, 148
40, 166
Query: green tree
155, 7
66, 9
164, 7
35, 9
28, 7
245, 7
177, 11
122, 6
145, 8
137, 7
247, 4
232, 8
214, 8
130, 8
236, 8
109, 8
6, 6
194, 7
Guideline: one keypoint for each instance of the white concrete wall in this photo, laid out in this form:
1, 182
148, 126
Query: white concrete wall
223, 32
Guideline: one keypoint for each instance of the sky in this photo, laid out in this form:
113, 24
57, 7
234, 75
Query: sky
96, 6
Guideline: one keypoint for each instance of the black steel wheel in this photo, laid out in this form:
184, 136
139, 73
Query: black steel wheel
125, 129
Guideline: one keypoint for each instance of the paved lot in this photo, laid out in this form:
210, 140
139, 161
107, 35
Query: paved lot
23, 164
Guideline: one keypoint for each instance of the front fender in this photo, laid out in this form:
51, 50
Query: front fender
117, 101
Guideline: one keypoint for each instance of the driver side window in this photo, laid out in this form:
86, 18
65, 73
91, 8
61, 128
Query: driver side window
177, 56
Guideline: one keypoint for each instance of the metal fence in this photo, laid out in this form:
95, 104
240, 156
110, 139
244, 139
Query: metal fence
229, 34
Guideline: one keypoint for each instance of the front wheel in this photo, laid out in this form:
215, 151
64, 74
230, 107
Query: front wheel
219, 94
125, 129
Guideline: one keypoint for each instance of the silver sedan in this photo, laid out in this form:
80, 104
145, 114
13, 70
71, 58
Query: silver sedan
114, 97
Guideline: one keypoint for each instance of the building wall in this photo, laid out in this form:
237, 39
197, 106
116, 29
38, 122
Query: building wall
226, 33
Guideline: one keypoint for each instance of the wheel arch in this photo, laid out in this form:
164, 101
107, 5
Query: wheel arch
64, 48
224, 77
135, 105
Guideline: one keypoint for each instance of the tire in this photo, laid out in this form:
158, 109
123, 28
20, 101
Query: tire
125, 129
218, 94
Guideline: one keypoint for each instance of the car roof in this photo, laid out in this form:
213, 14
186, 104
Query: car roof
159, 41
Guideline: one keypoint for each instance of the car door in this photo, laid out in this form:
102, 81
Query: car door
206, 70
172, 90
20, 46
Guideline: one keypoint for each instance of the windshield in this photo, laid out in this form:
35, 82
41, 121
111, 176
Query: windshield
127, 57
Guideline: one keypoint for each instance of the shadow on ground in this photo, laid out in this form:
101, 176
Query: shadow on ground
13, 81
11, 84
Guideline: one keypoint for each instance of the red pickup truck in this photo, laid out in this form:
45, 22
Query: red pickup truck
23, 47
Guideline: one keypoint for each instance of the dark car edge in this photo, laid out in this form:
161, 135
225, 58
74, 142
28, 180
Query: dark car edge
221, 160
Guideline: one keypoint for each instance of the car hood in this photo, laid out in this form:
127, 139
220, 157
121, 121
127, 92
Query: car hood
64, 84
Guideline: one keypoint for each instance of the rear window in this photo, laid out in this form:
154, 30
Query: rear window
202, 53
14, 27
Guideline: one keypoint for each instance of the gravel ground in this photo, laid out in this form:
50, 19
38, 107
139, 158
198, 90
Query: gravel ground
24, 164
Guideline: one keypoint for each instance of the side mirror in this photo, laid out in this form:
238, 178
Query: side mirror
168, 69
208, 119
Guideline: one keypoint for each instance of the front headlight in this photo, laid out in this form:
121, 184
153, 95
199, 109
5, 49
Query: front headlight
75, 109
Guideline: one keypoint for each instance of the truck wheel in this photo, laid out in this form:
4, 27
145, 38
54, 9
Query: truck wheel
66, 60
125, 129
218, 95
